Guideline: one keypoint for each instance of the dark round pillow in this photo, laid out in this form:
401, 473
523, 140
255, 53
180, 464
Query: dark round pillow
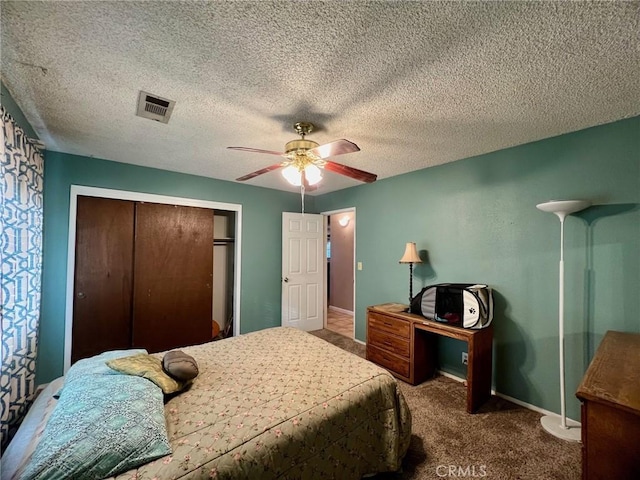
179, 365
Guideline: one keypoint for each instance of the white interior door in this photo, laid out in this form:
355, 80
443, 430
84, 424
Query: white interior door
302, 270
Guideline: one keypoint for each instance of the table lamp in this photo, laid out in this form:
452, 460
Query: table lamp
410, 256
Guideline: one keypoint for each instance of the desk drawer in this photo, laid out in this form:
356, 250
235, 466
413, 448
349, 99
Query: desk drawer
389, 342
388, 360
402, 328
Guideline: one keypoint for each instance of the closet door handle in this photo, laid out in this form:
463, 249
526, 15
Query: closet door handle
81, 295
285, 279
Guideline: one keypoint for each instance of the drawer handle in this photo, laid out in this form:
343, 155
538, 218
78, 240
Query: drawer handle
387, 342
388, 324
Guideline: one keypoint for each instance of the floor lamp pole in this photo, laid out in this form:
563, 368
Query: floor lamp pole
563, 415
564, 431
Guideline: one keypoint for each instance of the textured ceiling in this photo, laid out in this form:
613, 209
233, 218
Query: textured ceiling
414, 84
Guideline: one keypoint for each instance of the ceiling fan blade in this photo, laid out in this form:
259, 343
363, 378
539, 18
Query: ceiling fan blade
255, 150
259, 172
332, 149
350, 172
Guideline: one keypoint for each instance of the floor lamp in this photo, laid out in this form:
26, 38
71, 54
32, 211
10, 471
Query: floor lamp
561, 208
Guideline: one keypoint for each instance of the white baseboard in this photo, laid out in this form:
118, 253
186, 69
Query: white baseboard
360, 342
511, 399
341, 310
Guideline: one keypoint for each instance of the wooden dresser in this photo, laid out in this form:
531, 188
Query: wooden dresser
391, 344
610, 395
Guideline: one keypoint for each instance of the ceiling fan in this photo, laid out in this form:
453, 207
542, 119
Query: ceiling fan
304, 159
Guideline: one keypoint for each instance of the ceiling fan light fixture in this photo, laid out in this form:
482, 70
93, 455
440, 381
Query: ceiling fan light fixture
293, 175
302, 155
313, 174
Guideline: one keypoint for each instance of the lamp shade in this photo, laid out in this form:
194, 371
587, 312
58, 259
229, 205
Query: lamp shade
293, 175
410, 254
313, 174
562, 208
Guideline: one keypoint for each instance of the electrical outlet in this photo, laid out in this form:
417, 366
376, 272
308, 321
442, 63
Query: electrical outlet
465, 358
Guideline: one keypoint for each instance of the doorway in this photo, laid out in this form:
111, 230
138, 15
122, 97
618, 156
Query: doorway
340, 276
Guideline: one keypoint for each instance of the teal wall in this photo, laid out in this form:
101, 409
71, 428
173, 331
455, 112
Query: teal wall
477, 221
261, 238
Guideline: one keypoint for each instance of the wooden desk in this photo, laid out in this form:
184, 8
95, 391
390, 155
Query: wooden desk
404, 344
610, 395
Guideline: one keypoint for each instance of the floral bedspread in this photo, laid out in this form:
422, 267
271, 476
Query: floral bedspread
281, 403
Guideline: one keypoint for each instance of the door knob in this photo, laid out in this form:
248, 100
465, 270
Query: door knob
286, 279
81, 295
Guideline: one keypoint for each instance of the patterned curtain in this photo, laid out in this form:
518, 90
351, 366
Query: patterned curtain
21, 241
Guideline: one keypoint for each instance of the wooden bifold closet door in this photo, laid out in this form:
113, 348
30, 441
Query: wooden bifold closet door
103, 276
143, 276
172, 292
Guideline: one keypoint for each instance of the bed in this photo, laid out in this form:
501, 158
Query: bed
278, 403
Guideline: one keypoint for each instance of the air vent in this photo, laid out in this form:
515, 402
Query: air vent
154, 107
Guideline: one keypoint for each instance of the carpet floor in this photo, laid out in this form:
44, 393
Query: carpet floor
502, 441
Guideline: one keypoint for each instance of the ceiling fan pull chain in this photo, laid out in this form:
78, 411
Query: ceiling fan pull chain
302, 196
